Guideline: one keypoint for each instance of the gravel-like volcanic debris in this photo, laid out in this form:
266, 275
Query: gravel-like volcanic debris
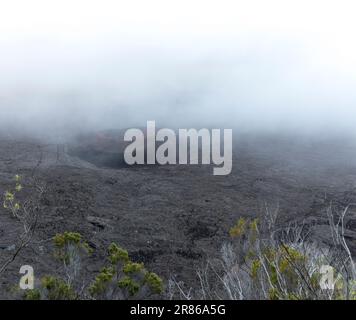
172, 218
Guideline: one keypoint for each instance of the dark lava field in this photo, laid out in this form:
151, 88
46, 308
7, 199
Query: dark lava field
172, 218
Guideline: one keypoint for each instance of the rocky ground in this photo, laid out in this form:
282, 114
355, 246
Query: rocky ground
172, 218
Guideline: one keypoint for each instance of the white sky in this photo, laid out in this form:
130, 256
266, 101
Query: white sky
244, 56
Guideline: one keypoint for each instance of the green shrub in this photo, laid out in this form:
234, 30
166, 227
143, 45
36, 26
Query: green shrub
33, 294
124, 278
154, 282
117, 254
101, 282
57, 289
67, 242
130, 285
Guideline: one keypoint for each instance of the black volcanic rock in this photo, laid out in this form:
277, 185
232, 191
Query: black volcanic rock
170, 217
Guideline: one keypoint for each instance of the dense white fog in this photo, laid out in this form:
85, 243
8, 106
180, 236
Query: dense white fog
253, 65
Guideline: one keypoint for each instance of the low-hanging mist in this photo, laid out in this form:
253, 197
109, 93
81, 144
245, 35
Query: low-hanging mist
83, 68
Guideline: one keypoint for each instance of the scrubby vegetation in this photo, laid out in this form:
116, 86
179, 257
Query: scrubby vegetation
25, 212
123, 278
120, 279
263, 261
51, 288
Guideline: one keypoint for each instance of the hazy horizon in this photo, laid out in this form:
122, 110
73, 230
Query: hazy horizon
255, 67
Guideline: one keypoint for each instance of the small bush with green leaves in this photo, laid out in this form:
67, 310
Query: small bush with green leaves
71, 249
57, 289
32, 294
26, 212
265, 261
10, 200
121, 279
263, 265
52, 288
69, 243
124, 279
